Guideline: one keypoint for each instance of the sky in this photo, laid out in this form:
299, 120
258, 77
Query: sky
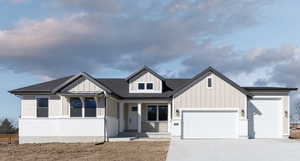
254, 42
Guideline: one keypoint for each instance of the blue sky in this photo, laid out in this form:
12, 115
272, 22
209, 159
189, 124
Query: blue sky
255, 42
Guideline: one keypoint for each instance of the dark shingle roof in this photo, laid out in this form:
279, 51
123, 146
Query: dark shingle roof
45, 87
269, 88
121, 86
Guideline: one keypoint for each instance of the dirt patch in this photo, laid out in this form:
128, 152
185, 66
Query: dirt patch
295, 134
112, 151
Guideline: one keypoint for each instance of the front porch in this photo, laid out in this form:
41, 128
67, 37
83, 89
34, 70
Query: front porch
145, 119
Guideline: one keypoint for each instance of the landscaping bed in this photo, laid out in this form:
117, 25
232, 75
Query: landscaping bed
111, 151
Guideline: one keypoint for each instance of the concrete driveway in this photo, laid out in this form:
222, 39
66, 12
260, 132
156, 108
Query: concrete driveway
234, 150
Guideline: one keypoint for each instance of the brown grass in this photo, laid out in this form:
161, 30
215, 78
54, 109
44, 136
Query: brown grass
295, 134
111, 151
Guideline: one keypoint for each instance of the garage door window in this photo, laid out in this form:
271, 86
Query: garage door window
157, 113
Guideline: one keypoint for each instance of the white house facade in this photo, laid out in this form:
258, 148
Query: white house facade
81, 108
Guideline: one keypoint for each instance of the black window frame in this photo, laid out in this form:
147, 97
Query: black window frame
141, 85
88, 110
209, 82
74, 111
42, 110
147, 87
157, 113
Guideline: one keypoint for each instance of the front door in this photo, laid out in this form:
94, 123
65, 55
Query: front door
132, 118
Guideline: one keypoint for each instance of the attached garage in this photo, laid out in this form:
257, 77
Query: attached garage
265, 117
210, 124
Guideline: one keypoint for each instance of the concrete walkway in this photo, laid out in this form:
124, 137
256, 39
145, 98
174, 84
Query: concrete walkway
234, 150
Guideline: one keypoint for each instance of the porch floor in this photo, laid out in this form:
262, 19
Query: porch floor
135, 136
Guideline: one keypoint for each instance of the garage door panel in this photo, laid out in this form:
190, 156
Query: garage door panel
266, 118
210, 124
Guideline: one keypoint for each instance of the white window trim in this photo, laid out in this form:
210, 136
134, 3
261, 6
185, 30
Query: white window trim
36, 105
157, 113
83, 107
212, 82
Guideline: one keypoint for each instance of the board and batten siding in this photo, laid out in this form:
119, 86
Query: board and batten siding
146, 78
83, 85
221, 95
29, 106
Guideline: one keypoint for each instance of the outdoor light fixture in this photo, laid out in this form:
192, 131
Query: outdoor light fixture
177, 112
285, 113
243, 113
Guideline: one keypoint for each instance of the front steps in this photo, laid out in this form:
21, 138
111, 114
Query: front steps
135, 136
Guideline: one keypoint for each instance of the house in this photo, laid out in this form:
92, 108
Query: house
81, 108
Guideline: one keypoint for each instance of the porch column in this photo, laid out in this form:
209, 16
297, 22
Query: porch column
83, 106
169, 116
121, 116
139, 117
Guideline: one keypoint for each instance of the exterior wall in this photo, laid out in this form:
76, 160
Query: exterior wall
83, 85
28, 106
146, 78
221, 95
43, 130
55, 106
286, 107
112, 117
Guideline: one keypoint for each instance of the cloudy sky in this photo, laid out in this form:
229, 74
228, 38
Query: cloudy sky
254, 42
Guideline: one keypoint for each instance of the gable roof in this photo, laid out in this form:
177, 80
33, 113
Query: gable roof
72, 79
120, 88
142, 71
205, 73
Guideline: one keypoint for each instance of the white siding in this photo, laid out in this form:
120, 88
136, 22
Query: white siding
55, 106
28, 106
146, 78
83, 85
221, 95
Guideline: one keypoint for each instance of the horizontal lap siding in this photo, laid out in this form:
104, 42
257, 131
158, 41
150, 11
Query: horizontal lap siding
222, 95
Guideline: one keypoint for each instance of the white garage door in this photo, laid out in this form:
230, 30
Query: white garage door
266, 118
209, 124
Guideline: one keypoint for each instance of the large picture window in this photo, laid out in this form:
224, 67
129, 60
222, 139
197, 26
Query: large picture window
152, 113
42, 107
157, 113
75, 107
90, 107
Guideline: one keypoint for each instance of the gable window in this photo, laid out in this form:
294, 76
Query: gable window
42, 107
209, 82
75, 107
141, 86
157, 113
149, 86
90, 107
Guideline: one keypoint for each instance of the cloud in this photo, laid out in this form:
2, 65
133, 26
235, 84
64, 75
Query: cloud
121, 34
14, 1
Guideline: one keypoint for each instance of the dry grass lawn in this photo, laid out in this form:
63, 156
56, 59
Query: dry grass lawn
111, 151
295, 134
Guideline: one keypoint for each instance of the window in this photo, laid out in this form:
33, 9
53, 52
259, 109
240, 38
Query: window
152, 113
209, 82
163, 113
134, 109
42, 107
157, 113
75, 107
149, 86
141, 86
90, 107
